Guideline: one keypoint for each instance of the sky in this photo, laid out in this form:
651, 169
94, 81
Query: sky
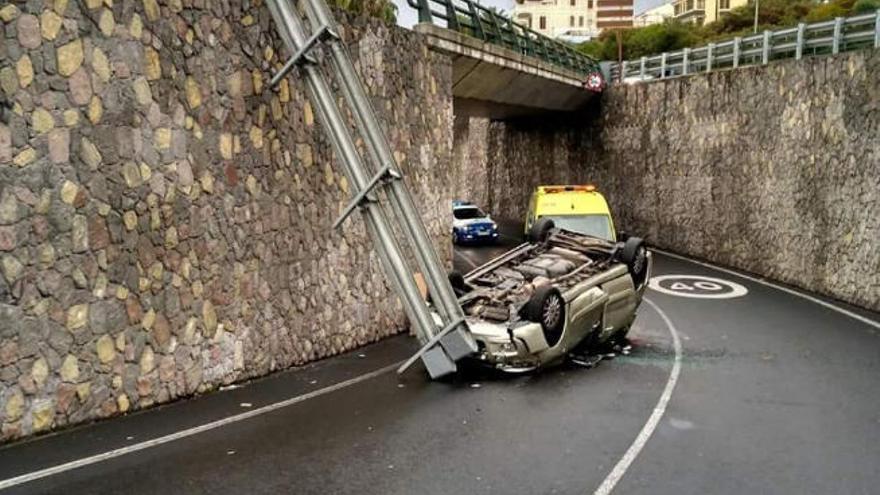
406, 15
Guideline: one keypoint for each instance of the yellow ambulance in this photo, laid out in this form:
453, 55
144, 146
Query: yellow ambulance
576, 208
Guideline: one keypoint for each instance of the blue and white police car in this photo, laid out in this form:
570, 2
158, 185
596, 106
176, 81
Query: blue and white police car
471, 224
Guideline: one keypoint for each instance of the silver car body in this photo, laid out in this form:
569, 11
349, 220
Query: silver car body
599, 293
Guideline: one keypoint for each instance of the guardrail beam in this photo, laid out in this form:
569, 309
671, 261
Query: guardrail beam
838, 35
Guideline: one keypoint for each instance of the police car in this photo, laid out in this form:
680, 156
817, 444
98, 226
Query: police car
471, 224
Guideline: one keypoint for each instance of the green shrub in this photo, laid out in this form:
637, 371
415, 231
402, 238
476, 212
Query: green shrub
865, 6
382, 9
671, 35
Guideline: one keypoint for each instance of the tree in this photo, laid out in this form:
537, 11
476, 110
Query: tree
866, 6
382, 9
671, 35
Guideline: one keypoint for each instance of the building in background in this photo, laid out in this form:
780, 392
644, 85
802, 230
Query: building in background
614, 14
704, 11
657, 15
569, 20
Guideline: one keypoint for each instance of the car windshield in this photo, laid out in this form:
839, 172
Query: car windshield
468, 213
594, 225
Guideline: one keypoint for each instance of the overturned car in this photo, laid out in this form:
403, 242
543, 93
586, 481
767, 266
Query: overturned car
563, 294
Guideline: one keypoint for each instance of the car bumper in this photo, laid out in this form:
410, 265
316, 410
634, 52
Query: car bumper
490, 235
499, 350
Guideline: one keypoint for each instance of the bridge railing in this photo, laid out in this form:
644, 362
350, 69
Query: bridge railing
470, 18
821, 38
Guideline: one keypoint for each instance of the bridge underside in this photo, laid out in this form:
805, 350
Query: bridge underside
498, 83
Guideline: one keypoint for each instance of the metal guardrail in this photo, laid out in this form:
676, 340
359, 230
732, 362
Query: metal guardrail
821, 38
470, 18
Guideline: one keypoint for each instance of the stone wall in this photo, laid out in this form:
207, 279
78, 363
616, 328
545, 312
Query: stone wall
165, 215
774, 170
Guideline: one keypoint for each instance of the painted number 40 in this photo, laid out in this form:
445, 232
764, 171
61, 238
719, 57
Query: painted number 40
697, 287
700, 284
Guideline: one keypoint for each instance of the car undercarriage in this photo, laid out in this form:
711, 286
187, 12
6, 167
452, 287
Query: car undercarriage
537, 303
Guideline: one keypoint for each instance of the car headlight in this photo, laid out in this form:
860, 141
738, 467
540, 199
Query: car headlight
506, 347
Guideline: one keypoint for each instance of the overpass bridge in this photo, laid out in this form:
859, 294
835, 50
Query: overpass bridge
502, 69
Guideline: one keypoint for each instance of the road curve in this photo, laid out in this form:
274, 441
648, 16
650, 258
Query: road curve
776, 394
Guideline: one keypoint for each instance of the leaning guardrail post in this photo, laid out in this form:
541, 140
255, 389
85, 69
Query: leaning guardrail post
642, 68
453, 340
736, 42
799, 44
765, 55
685, 55
710, 51
663, 65
838, 30
877, 29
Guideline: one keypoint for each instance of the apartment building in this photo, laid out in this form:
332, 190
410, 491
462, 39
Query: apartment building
657, 15
576, 20
704, 11
613, 14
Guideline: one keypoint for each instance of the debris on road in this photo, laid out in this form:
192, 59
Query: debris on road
587, 361
246, 404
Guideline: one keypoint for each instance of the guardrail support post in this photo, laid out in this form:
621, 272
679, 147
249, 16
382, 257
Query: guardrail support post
838, 31
736, 43
623, 68
642, 69
685, 55
709, 53
424, 11
877, 29
478, 23
452, 17
799, 46
663, 65
765, 56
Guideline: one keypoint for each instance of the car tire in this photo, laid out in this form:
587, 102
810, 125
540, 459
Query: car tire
456, 280
547, 307
540, 230
635, 256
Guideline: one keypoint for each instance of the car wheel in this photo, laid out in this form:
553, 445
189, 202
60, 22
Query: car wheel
455, 237
635, 256
540, 230
547, 307
456, 280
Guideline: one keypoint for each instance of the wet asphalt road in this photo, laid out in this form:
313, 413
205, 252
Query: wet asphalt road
776, 395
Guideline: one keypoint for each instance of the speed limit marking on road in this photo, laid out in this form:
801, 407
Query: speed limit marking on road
697, 287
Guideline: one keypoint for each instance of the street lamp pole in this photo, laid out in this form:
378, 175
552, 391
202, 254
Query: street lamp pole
757, 3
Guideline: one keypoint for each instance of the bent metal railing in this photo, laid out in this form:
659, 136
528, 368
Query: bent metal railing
470, 18
821, 38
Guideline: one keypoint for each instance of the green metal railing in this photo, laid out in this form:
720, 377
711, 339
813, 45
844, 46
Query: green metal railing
804, 40
470, 18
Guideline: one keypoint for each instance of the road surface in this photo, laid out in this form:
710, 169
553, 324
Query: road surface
773, 394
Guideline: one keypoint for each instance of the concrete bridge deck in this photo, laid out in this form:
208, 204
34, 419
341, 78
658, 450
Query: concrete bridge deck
496, 82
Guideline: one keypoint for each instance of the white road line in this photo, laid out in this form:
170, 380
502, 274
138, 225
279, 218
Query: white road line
808, 297
86, 461
639, 443
467, 258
